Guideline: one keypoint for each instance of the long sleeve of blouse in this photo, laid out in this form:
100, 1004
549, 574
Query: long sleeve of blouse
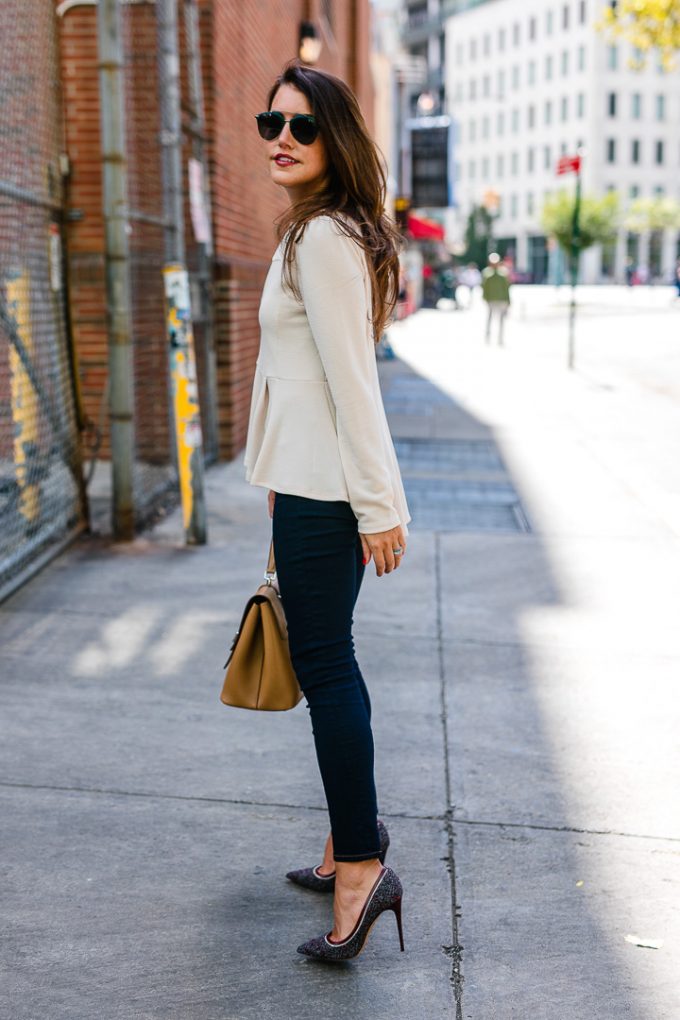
335, 289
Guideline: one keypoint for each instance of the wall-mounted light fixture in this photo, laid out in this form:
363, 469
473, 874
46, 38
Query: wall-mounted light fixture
310, 44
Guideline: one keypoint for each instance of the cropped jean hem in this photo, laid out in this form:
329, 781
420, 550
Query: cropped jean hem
351, 858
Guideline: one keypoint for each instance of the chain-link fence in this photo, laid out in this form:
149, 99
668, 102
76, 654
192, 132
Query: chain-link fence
41, 500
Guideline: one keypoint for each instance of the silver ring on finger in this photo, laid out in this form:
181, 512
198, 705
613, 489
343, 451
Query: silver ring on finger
398, 552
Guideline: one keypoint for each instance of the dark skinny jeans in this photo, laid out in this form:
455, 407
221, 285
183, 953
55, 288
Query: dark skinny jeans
319, 565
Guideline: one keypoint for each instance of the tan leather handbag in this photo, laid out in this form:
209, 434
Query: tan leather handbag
260, 674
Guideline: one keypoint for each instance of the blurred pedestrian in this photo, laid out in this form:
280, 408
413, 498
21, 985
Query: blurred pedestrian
319, 441
471, 278
496, 293
677, 279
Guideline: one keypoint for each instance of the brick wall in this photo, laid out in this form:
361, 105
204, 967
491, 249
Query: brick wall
244, 46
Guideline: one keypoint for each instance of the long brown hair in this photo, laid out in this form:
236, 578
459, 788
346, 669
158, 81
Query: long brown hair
353, 193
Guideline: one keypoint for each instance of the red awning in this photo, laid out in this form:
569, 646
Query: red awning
422, 228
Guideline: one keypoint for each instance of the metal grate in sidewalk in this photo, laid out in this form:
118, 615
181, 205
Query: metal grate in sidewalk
459, 485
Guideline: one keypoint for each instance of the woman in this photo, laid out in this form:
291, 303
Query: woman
318, 440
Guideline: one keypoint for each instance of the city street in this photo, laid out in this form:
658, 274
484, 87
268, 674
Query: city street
523, 665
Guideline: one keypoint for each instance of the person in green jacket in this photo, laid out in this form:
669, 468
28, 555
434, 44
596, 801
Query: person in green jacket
496, 293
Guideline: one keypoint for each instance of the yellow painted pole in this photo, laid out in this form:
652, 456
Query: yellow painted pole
24, 400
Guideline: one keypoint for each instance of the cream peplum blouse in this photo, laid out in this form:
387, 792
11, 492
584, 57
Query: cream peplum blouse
317, 423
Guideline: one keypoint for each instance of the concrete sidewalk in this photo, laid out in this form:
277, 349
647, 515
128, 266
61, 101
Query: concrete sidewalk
523, 665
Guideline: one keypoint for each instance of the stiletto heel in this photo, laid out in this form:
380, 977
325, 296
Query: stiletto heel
385, 895
309, 878
397, 913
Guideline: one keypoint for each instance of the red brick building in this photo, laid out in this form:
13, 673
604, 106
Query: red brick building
244, 46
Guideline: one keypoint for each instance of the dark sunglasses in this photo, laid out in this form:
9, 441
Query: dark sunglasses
303, 126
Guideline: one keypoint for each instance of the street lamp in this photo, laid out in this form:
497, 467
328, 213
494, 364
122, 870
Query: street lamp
491, 203
310, 45
425, 104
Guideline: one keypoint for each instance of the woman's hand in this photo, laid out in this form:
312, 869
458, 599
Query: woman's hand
381, 547
271, 496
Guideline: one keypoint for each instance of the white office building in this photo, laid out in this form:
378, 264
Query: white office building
530, 80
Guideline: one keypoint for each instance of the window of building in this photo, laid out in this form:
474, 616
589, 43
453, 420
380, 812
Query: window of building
471, 169
582, 12
563, 148
486, 45
548, 67
611, 150
500, 123
458, 171
548, 22
660, 107
635, 150
501, 39
515, 121
531, 116
485, 168
530, 160
514, 164
636, 57
500, 165
486, 85
565, 16
658, 152
473, 49
513, 207
459, 54
547, 157
659, 190
581, 104
530, 203
515, 76
472, 131
548, 111
485, 127
531, 72
636, 105
532, 28
612, 57
472, 89
609, 188
611, 104
564, 108
501, 84
565, 62
581, 58
515, 34
634, 191
459, 92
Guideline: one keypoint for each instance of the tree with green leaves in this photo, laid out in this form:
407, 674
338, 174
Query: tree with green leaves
478, 235
658, 213
599, 219
647, 25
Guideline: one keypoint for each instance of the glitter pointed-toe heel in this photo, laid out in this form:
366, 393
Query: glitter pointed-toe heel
309, 878
385, 895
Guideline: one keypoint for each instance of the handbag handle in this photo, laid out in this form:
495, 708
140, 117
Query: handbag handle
270, 572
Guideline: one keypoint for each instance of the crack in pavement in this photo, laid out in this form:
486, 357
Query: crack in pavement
455, 949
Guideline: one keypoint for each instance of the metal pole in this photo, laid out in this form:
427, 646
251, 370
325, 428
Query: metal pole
114, 164
188, 434
575, 251
205, 250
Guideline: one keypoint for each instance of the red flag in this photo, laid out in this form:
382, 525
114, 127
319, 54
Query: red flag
568, 165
